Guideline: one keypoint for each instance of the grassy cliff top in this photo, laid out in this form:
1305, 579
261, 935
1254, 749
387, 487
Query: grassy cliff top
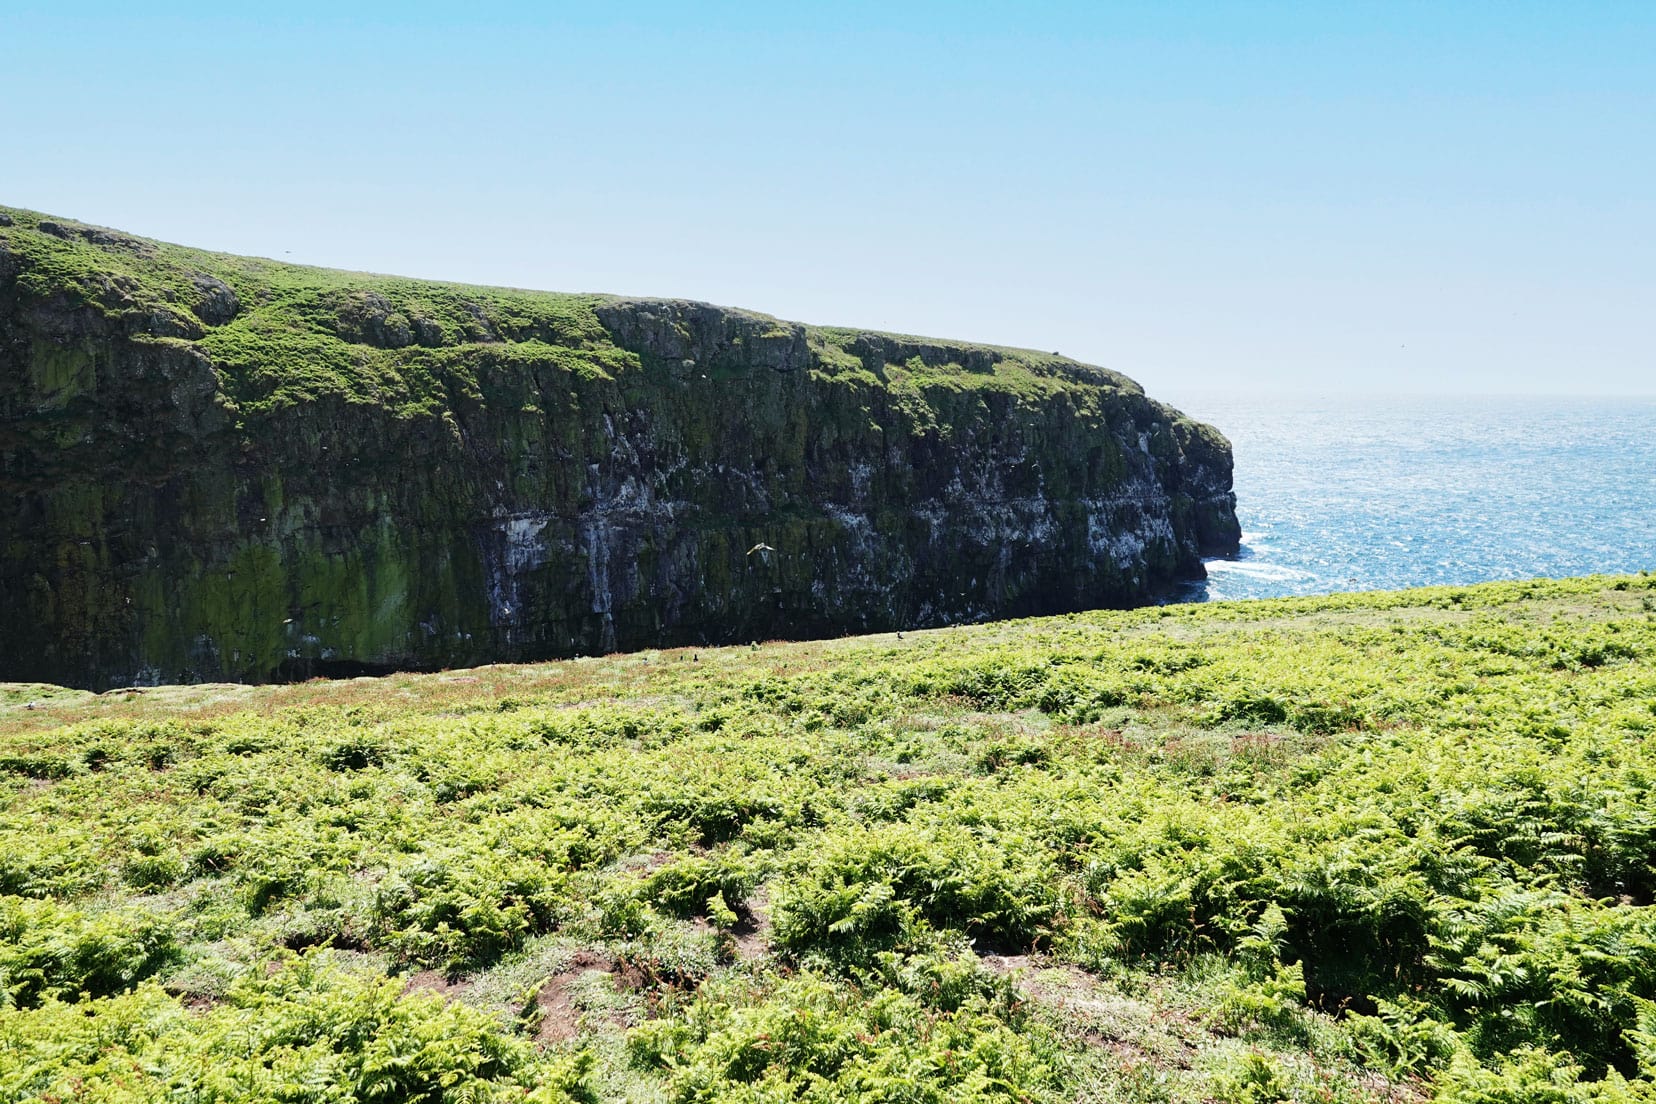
282, 333
1374, 847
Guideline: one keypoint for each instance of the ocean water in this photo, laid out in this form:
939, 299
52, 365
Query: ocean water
1339, 494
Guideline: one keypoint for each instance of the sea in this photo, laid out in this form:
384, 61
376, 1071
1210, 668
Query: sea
1345, 493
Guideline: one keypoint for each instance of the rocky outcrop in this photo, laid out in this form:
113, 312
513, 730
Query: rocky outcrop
219, 468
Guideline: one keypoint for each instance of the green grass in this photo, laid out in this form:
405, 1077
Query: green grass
299, 333
1358, 848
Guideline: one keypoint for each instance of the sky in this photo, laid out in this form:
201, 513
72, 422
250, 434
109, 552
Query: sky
1271, 197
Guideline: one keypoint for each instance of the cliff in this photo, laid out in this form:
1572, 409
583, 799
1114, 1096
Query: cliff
218, 467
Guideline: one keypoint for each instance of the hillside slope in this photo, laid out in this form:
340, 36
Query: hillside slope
1378, 847
216, 467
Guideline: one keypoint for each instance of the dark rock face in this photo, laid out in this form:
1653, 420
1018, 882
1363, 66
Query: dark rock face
217, 303
214, 468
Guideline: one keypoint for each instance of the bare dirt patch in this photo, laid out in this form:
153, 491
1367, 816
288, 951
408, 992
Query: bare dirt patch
434, 981
560, 1014
751, 935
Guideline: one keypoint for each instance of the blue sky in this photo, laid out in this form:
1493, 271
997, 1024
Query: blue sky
1330, 197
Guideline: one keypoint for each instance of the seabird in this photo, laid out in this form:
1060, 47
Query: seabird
760, 547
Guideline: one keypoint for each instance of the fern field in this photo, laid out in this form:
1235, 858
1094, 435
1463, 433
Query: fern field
1382, 847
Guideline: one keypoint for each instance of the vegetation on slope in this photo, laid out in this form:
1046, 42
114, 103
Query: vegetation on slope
1357, 848
283, 334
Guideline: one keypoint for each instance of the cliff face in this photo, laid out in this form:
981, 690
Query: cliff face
215, 467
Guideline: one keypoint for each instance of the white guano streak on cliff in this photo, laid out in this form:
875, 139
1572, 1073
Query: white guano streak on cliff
521, 550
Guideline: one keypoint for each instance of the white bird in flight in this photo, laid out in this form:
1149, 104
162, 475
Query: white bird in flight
760, 547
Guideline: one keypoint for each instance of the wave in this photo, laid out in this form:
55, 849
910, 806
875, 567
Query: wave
1254, 569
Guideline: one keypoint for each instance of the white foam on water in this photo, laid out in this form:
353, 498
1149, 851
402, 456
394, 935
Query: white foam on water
1254, 569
